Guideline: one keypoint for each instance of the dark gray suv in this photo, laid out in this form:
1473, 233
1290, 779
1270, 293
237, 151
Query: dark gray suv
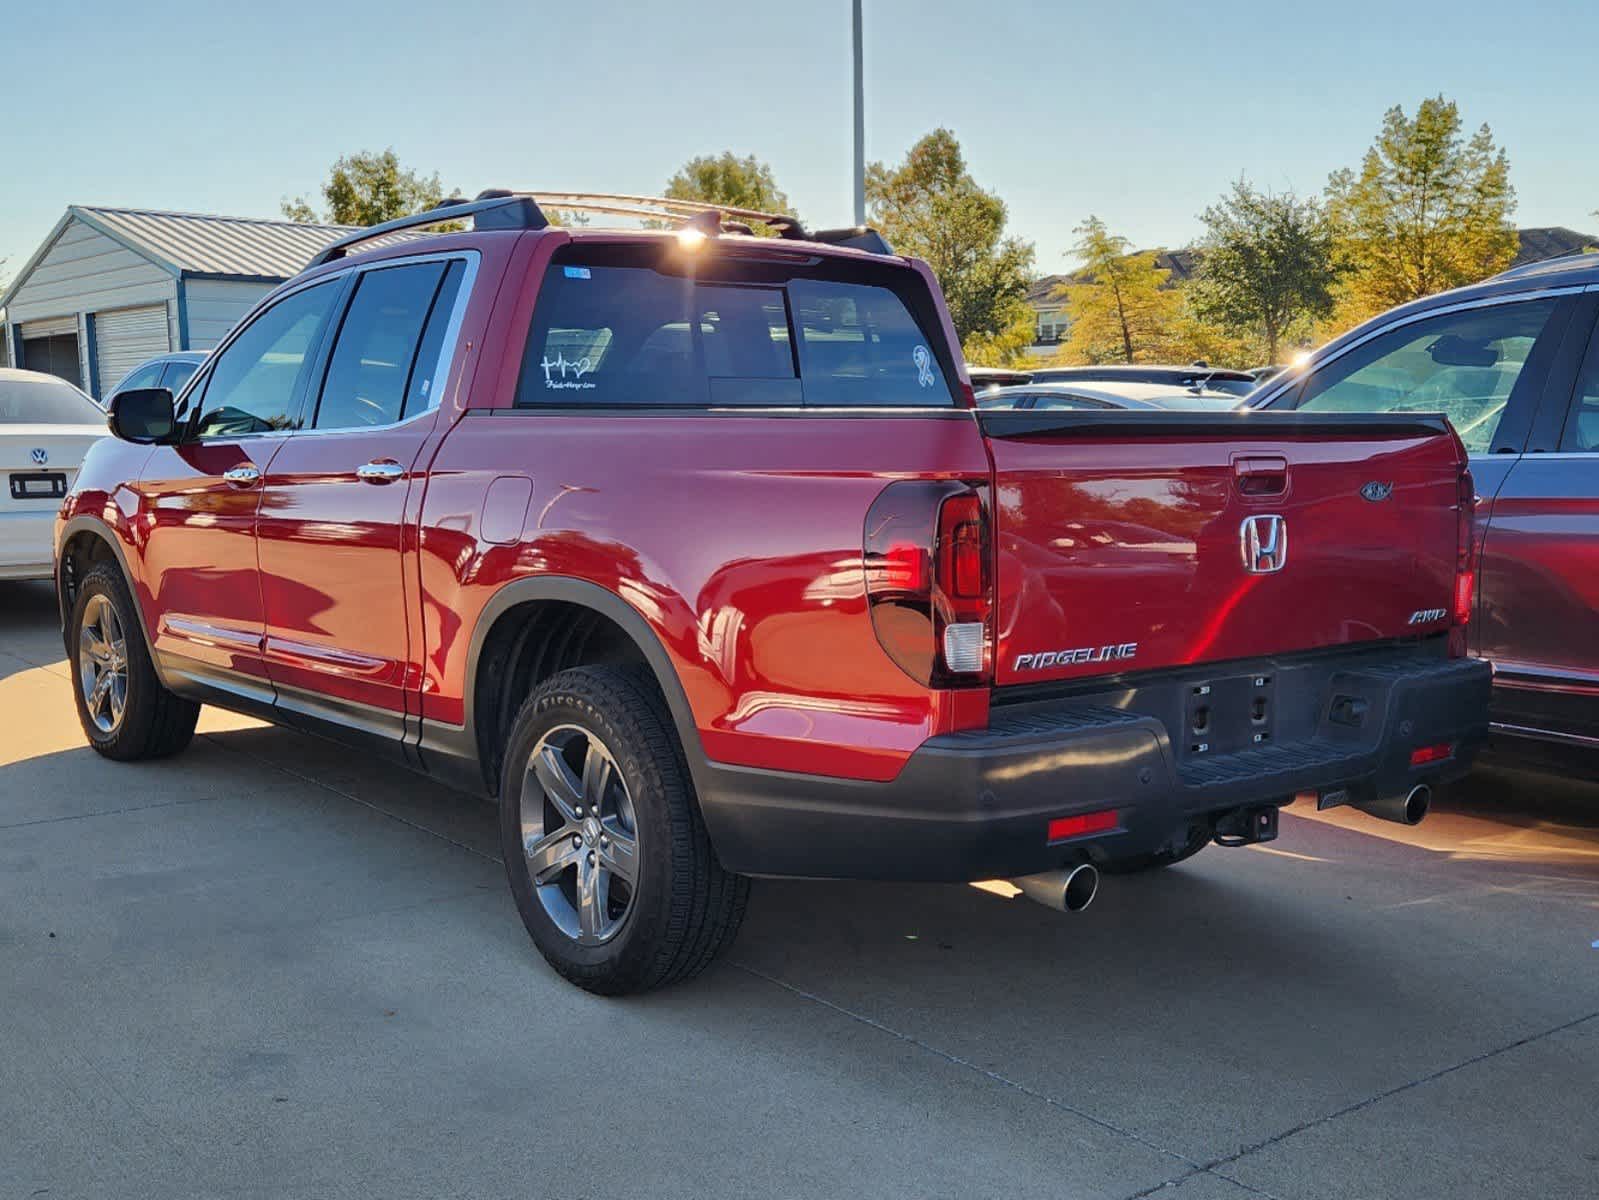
1514, 363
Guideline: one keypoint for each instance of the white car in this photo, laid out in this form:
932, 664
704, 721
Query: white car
46, 427
1103, 394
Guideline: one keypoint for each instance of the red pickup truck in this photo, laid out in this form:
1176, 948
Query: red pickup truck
693, 548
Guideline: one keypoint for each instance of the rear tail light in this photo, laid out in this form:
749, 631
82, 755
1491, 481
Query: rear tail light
1465, 565
929, 580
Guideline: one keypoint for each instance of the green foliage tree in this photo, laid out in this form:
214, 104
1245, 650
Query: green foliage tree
1429, 209
727, 179
1118, 309
368, 188
1266, 262
929, 207
1010, 345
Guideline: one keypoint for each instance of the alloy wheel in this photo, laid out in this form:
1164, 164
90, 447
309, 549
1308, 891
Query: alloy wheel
103, 664
579, 834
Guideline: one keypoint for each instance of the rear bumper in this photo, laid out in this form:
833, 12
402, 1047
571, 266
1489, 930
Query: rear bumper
977, 804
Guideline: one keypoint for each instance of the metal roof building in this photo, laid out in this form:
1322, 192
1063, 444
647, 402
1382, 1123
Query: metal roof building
111, 287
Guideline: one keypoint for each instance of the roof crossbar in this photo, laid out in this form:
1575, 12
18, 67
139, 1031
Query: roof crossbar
665, 208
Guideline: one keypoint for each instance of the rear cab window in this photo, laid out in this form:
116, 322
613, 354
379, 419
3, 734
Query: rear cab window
652, 326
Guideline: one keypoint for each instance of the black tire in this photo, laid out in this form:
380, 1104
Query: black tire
683, 909
1197, 837
153, 722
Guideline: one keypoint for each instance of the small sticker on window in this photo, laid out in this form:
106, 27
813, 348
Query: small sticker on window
924, 367
578, 273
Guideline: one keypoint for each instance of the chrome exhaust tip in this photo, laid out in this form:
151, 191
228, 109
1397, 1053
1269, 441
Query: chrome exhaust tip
1070, 889
1409, 809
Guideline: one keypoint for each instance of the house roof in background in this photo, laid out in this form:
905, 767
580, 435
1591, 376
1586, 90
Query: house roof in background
202, 244
1550, 241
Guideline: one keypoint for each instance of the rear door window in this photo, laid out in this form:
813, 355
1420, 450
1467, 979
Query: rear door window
625, 336
369, 372
145, 377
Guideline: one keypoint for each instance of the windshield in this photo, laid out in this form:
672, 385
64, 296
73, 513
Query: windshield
45, 402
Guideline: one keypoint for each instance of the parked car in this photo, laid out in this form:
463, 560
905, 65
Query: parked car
46, 427
985, 378
170, 371
1235, 383
1109, 395
692, 548
1514, 363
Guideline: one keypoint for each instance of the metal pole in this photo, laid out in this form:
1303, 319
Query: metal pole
860, 123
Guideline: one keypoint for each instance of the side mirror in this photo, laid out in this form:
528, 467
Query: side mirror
143, 415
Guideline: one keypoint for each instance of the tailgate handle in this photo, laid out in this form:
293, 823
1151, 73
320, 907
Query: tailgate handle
1261, 476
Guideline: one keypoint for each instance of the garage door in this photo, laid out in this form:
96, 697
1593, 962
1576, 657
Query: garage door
125, 338
51, 346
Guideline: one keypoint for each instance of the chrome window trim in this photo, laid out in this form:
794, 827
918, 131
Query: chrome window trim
452, 333
1316, 364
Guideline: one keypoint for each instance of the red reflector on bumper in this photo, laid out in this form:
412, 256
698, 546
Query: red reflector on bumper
1422, 755
1095, 822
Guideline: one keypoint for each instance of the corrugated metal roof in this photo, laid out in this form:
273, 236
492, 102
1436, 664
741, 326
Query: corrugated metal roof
211, 245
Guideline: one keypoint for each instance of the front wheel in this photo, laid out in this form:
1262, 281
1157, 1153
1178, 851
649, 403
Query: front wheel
606, 852
125, 710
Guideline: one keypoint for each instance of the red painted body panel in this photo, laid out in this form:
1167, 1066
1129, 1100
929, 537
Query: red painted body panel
737, 537
332, 575
1538, 610
1137, 541
197, 552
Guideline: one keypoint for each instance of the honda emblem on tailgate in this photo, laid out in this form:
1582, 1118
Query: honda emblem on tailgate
1264, 542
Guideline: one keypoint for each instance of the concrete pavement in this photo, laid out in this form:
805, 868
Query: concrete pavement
274, 967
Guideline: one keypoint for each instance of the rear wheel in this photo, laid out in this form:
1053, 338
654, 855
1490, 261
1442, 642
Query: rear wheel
125, 711
1193, 840
605, 849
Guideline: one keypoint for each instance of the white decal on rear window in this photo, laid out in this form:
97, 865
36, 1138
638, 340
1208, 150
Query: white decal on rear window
924, 367
577, 369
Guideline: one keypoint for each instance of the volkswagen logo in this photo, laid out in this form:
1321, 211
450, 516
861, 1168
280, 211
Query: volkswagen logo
1264, 543
1376, 490
40, 456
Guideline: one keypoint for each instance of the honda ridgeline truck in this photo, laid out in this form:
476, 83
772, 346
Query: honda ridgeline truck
693, 549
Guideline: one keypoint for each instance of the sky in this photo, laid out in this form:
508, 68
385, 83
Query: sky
1137, 111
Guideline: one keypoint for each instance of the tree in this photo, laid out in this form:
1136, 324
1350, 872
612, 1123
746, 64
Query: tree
1266, 262
1428, 210
929, 207
368, 188
727, 179
1118, 309
1011, 344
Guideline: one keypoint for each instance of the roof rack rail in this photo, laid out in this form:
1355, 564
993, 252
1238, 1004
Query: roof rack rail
501, 209
1558, 262
491, 210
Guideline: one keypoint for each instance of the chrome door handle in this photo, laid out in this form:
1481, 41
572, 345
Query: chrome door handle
382, 470
242, 477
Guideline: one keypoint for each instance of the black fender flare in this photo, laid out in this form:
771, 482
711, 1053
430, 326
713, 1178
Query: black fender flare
84, 523
460, 742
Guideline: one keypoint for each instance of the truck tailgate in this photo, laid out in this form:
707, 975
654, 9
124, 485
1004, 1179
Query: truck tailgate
1144, 540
